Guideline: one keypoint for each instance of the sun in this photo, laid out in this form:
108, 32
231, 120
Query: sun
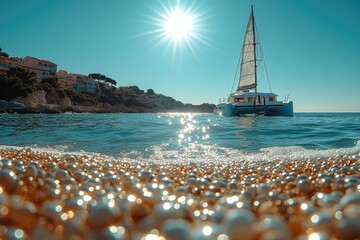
177, 26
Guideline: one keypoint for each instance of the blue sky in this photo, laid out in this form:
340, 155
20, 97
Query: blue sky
312, 48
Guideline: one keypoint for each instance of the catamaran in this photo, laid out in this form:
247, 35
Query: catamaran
246, 99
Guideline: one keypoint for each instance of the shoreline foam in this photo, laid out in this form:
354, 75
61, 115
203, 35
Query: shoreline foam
199, 153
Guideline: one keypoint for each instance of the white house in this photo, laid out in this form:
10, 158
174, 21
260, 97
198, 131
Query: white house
81, 83
86, 84
42, 68
66, 80
4, 65
7, 63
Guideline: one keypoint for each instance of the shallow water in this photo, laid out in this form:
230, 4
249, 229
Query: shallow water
185, 136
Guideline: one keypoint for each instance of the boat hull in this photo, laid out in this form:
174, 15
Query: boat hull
233, 110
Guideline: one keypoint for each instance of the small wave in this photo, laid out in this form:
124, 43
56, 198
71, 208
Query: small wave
297, 153
198, 153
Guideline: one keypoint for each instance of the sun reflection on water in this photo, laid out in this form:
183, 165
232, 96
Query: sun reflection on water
190, 130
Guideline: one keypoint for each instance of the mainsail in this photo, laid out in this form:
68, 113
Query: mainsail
247, 79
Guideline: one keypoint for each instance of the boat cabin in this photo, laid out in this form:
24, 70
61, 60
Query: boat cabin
253, 98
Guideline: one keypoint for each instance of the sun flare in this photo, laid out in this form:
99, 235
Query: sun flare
179, 25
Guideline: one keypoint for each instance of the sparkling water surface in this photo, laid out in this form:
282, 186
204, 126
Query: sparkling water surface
181, 135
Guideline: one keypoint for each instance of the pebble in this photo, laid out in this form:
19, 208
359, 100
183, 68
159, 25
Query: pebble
54, 196
31, 171
304, 186
61, 174
239, 223
8, 180
177, 230
100, 216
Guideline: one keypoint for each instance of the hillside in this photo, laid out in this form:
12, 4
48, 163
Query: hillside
21, 93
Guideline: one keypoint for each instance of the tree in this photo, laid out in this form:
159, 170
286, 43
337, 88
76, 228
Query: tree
136, 89
24, 75
97, 76
49, 84
52, 81
17, 82
3, 54
111, 81
150, 92
102, 78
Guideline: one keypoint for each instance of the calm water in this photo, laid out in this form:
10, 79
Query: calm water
185, 136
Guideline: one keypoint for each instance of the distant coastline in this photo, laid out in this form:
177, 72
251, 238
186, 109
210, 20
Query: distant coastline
116, 100
32, 85
21, 108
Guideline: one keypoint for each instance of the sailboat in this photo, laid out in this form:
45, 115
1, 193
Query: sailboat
246, 99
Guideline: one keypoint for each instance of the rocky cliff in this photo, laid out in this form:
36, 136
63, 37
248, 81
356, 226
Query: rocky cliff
129, 100
21, 92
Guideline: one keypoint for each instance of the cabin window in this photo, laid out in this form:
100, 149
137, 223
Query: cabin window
250, 99
272, 99
240, 99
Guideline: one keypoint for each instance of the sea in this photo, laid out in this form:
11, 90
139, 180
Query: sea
185, 137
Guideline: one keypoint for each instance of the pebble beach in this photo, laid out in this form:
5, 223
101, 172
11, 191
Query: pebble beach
73, 196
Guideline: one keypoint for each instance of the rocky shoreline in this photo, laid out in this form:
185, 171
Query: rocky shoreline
41, 108
30, 106
21, 92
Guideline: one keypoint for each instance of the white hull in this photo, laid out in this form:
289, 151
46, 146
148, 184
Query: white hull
232, 109
242, 103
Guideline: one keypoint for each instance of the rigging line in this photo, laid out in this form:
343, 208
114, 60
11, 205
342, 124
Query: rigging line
237, 68
263, 57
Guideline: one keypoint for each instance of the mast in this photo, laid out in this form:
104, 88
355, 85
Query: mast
253, 32
248, 71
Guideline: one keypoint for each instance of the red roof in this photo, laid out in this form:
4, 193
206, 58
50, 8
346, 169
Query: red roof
3, 60
14, 59
43, 61
36, 68
47, 62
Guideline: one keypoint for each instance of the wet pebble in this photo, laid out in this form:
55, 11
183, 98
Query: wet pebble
31, 171
69, 196
8, 180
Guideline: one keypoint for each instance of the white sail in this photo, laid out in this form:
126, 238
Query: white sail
248, 62
243, 101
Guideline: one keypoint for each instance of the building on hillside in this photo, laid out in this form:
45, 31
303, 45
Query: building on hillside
39, 72
86, 84
81, 83
4, 64
43, 64
14, 61
66, 80
7, 63
42, 68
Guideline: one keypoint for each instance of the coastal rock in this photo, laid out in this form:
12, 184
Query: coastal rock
48, 108
33, 99
13, 106
54, 98
124, 99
